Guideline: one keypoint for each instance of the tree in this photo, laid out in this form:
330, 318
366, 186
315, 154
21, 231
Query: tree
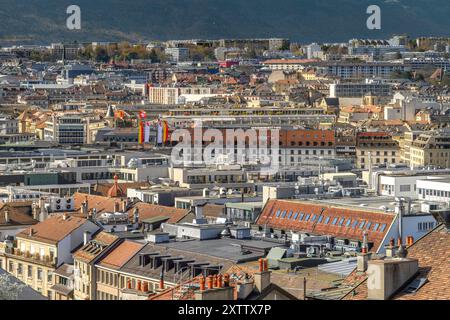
10, 289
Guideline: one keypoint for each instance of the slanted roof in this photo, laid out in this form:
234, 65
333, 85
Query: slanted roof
433, 252
97, 245
52, 230
327, 219
20, 214
120, 255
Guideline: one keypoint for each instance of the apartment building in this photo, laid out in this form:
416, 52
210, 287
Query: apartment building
43, 248
375, 149
359, 90
175, 95
178, 54
356, 70
85, 275
434, 189
431, 149
67, 129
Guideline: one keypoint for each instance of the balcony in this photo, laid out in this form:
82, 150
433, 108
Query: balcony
36, 258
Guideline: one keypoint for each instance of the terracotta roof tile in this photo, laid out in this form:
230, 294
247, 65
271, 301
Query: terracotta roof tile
119, 256
325, 219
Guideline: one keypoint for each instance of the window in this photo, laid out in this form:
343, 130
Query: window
334, 221
341, 221
368, 225
50, 277
301, 216
11, 267
30, 272
39, 274
383, 227
361, 225
284, 214
313, 218
347, 224
278, 213
405, 188
290, 215
307, 217
19, 269
320, 219
375, 227
327, 220
295, 216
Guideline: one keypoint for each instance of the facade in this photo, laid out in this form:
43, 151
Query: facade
178, 54
431, 149
66, 130
376, 148
40, 250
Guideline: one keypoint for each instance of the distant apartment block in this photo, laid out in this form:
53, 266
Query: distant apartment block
178, 54
357, 90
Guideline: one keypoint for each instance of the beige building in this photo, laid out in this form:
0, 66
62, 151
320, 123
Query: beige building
376, 148
431, 148
40, 250
84, 264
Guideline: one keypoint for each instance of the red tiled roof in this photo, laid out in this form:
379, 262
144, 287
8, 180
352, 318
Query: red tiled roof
433, 252
120, 255
54, 229
335, 222
146, 210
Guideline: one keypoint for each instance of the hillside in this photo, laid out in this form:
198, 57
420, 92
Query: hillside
300, 20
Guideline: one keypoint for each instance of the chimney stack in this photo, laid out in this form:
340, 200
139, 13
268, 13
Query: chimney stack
210, 283
7, 216
124, 206
410, 241
262, 278
86, 237
161, 281
202, 283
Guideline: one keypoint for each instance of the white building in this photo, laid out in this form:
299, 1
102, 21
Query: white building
434, 189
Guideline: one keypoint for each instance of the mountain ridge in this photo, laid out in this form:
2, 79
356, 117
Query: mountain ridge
299, 20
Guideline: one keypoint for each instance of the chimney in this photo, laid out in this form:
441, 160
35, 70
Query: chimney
116, 207
35, 209
124, 206
136, 216
145, 286
202, 283
390, 249
363, 258
161, 281
139, 285
31, 231
386, 277
210, 283
86, 237
7, 216
211, 289
410, 241
262, 278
